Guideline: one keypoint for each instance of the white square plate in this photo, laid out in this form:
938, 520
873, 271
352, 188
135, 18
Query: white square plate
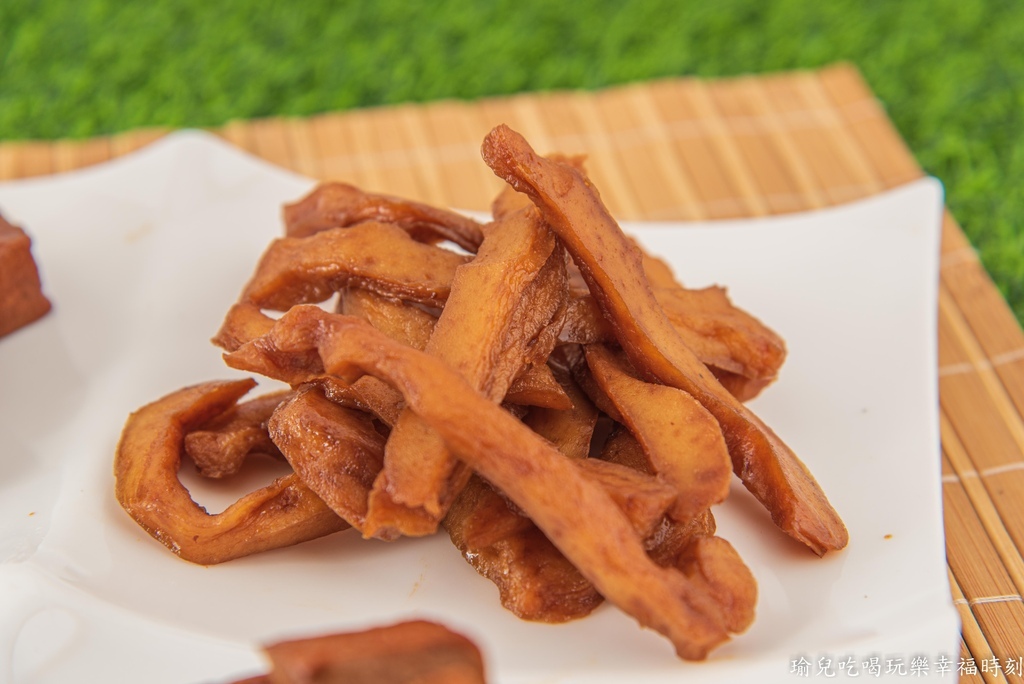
142, 257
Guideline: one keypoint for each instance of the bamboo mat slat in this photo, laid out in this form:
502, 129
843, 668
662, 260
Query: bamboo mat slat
688, 149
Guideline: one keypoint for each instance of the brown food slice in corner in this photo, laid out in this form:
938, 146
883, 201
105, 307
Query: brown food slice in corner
613, 269
414, 652
21, 296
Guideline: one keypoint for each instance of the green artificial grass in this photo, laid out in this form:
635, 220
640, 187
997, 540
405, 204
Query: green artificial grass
949, 71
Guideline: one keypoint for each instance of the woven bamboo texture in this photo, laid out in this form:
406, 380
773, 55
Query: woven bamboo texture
710, 149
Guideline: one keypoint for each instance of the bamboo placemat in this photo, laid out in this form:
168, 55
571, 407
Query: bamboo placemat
693, 149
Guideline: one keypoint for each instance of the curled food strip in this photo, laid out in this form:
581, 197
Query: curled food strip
219, 448
245, 322
376, 256
339, 205
242, 323
613, 269
573, 511
148, 455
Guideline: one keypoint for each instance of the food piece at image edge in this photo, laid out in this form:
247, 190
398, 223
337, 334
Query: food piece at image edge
412, 652
613, 269
21, 295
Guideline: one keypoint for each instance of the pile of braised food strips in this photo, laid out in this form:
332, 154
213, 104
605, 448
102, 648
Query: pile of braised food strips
547, 393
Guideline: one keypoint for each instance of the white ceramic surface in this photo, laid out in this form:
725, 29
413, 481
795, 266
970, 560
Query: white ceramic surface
142, 256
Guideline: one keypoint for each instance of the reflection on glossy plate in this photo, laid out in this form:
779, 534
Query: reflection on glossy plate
142, 257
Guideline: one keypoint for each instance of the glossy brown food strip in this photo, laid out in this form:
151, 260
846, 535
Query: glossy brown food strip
612, 267
623, 448
410, 324
534, 580
642, 497
340, 205
245, 322
692, 547
713, 562
146, 463
413, 652
573, 511
743, 353
336, 451
569, 430
743, 388
220, 447
509, 201
21, 296
683, 442
719, 334
537, 386
496, 322
375, 256
399, 320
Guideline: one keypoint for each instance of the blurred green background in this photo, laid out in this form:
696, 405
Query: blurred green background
951, 72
